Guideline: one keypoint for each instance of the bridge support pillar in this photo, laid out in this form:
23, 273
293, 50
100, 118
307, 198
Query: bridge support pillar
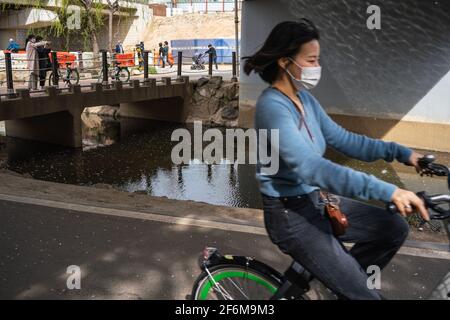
62, 128
173, 109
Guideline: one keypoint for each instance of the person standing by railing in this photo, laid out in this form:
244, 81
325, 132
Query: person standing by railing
44, 61
213, 53
13, 46
32, 60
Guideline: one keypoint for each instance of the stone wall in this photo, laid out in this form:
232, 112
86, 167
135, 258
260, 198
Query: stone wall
215, 102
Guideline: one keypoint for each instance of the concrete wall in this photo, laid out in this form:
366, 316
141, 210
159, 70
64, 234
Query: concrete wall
128, 28
27, 18
401, 72
18, 34
5, 35
61, 128
201, 7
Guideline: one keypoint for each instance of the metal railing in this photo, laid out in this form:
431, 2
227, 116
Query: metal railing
102, 64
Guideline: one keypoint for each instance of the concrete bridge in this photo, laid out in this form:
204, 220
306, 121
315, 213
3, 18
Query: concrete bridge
55, 116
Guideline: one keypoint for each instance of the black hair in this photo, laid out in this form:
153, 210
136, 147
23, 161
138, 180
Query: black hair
30, 36
160, 44
165, 42
285, 40
39, 38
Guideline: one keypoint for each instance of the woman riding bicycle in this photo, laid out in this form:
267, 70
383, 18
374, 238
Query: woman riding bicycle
293, 214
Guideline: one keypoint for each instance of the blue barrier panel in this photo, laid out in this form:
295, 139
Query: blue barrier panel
224, 48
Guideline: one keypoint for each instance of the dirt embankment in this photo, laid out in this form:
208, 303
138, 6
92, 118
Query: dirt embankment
189, 26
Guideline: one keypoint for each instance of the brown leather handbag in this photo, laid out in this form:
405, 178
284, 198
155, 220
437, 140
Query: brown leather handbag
339, 221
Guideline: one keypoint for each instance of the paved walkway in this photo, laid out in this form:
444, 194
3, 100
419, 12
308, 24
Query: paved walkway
144, 247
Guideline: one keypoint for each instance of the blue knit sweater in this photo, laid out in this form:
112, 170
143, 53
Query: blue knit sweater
302, 167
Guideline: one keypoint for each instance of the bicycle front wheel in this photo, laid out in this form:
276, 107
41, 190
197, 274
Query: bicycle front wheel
50, 78
234, 282
74, 77
124, 75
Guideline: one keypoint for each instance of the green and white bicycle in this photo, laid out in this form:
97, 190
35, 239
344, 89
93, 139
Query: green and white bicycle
228, 277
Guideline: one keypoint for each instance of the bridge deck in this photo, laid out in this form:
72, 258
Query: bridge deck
53, 99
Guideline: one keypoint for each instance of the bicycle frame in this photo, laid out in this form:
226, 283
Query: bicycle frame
117, 70
65, 73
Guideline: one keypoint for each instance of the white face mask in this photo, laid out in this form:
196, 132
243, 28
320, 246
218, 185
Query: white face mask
310, 77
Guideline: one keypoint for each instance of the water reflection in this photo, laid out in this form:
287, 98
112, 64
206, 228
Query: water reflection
3, 150
135, 155
2, 128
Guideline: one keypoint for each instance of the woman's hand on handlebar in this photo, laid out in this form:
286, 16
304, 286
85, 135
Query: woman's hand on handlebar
414, 161
408, 202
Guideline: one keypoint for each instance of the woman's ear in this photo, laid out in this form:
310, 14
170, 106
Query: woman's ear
283, 63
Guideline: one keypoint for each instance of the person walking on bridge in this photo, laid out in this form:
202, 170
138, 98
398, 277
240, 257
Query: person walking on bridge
161, 55
166, 53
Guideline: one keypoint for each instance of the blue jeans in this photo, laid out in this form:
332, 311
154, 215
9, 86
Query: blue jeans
163, 60
299, 227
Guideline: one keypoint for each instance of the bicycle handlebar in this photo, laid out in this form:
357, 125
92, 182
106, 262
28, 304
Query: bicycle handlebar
431, 202
434, 203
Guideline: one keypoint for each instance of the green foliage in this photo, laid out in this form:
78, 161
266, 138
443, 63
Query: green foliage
152, 70
22, 4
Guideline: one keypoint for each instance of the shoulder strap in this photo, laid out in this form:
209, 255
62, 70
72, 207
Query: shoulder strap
302, 116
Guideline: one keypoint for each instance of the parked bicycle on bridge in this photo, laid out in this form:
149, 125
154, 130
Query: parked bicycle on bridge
67, 70
120, 72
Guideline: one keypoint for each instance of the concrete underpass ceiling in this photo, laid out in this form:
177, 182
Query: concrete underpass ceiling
28, 18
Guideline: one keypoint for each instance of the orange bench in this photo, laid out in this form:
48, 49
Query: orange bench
125, 59
65, 59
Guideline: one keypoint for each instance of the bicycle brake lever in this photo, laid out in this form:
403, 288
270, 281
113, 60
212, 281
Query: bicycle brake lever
433, 227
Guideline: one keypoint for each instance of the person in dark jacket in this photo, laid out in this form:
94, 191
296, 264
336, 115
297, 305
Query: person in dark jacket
213, 53
119, 47
161, 55
166, 53
44, 61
